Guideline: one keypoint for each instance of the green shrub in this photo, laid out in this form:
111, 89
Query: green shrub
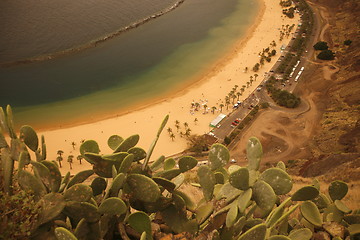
326, 55
321, 45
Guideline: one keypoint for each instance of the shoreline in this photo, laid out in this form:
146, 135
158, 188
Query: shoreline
208, 89
90, 44
185, 86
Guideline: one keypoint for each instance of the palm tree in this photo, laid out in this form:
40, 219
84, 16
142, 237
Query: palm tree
233, 98
177, 127
238, 94
186, 125
236, 86
247, 84
256, 75
205, 107
59, 159
221, 106
243, 86
169, 130
246, 69
213, 108
172, 136
70, 160
251, 78
227, 102
79, 158
60, 153
242, 90
195, 120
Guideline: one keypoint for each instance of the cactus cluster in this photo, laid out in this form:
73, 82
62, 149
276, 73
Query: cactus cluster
132, 196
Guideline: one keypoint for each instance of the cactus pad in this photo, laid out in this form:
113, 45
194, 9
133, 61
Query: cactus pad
140, 222
139, 153
264, 195
337, 190
169, 164
80, 177
169, 174
117, 184
240, 179
311, 213
28, 181
128, 143
98, 186
64, 234
143, 188
187, 163
167, 184
218, 156
341, 206
50, 207
254, 153
114, 141
301, 234
112, 206
279, 180
279, 237
207, 181
78, 192
305, 193
257, 232
157, 164
79, 210
188, 201
55, 175
203, 212
232, 215
126, 164
89, 146
29, 137
244, 200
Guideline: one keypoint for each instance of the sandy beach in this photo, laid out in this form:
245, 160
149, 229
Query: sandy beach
209, 89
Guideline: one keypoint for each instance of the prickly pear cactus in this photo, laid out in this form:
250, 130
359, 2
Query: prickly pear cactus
337, 190
254, 153
240, 179
114, 141
207, 181
29, 137
264, 195
278, 179
311, 213
143, 188
112, 206
219, 156
78, 192
140, 222
64, 234
305, 193
128, 143
89, 146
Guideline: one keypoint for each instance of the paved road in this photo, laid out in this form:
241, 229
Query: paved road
226, 128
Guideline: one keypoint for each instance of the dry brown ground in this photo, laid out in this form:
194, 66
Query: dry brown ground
321, 137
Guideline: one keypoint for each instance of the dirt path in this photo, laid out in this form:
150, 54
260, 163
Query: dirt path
286, 133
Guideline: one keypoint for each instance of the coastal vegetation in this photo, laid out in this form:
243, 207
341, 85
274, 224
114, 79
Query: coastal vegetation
131, 198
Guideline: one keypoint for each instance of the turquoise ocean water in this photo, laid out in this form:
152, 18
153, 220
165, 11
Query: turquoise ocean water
134, 67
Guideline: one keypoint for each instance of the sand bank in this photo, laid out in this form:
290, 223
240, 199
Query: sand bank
209, 89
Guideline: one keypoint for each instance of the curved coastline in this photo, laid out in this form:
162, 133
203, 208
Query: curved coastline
93, 43
209, 87
184, 87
